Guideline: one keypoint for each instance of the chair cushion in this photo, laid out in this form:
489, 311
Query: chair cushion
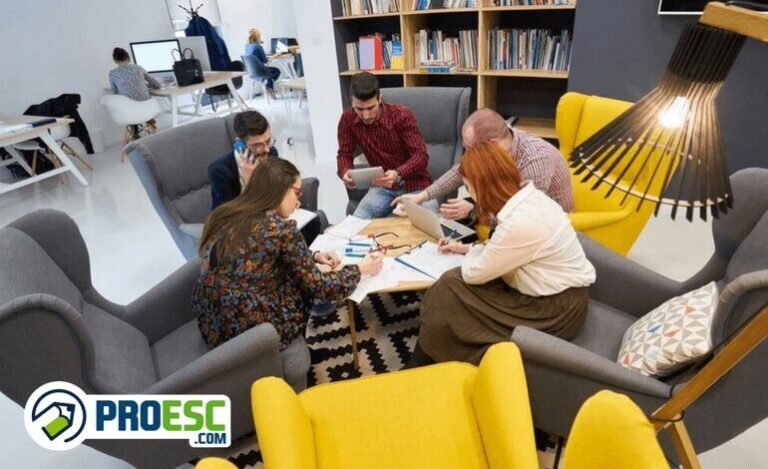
178, 349
436, 426
28, 269
123, 358
603, 329
673, 335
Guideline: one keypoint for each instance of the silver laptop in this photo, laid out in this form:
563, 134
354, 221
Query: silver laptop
431, 224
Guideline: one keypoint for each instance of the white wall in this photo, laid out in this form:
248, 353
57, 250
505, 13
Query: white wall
50, 47
274, 18
318, 52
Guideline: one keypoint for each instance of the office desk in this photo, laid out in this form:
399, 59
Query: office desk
407, 234
285, 62
8, 140
211, 79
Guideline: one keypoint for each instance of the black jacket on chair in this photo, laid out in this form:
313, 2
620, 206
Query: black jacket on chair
64, 106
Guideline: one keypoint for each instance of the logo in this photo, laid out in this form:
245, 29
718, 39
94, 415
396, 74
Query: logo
59, 416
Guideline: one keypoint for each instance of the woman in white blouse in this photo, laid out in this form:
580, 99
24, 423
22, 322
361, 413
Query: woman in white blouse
531, 272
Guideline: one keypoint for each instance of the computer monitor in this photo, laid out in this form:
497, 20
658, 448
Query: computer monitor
287, 41
155, 56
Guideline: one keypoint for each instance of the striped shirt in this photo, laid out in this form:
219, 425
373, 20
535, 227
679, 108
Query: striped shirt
392, 142
537, 161
131, 80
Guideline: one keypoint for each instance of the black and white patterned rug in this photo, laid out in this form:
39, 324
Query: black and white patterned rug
387, 326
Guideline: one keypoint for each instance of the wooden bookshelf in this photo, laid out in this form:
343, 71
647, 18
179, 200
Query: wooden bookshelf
531, 95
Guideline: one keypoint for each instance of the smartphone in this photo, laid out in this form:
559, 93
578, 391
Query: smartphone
240, 147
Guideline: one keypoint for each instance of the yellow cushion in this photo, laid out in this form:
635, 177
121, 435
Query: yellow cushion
409, 419
214, 463
611, 431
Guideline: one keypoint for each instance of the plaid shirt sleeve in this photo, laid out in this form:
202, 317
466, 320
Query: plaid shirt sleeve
414, 142
448, 182
347, 144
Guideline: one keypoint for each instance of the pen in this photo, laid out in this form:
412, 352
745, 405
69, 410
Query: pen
356, 255
445, 241
359, 244
357, 251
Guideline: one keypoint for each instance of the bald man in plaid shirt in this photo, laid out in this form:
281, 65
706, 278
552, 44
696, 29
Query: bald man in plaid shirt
389, 137
536, 159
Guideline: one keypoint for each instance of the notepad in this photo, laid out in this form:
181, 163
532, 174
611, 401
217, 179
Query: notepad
348, 228
427, 260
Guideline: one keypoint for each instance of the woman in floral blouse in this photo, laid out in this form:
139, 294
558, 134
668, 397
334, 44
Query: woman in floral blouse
256, 266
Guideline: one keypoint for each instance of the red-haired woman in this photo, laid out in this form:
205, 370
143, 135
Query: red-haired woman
531, 272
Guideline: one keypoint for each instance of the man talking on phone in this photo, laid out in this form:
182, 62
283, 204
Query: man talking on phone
230, 173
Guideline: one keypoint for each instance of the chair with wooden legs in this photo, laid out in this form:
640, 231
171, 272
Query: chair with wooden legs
136, 116
59, 134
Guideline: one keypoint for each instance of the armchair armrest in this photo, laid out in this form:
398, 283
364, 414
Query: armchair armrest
550, 351
167, 305
500, 400
583, 221
739, 301
624, 284
309, 187
283, 428
257, 348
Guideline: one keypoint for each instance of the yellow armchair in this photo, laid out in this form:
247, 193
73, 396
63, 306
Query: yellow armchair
446, 415
606, 220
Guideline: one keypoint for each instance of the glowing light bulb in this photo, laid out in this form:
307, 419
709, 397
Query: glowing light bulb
673, 116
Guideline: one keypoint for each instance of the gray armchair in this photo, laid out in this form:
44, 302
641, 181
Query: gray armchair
173, 168
561, 375
440, 113
55, 326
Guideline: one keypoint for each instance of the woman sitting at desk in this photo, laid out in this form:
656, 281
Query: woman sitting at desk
256, 266
532, 271
129, 79
254, 47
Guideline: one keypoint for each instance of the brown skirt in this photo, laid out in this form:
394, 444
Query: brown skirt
460, 321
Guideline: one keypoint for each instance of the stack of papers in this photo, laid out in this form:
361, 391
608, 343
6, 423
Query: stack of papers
348, 228
427, 260
331, 243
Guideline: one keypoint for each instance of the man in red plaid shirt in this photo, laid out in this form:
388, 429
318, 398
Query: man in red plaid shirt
389, 137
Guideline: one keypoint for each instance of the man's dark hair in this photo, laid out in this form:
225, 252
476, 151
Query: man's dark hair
364, 86
120, 55
250, 124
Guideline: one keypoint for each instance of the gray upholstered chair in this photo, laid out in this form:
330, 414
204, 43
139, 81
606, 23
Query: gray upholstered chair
440, 113
173, 168
561, 375
55, 326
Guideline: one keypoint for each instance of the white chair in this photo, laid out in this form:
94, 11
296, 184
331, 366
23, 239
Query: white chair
59, 134
132, 114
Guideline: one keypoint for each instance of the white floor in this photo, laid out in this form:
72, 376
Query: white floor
131, 251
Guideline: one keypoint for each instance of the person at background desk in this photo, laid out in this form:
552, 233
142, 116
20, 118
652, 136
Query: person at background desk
537, 161
532, 271
230, 173
254, 47
257, 268
131, 80
389, 137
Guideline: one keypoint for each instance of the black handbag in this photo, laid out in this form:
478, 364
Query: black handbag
188, 70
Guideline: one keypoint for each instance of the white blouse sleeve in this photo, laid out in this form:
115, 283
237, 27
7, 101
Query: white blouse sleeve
514, 243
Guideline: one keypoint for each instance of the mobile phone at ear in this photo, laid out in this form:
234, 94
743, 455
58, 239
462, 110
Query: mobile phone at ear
239, 146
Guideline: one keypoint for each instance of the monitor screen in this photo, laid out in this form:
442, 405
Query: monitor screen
155, 56
682, 7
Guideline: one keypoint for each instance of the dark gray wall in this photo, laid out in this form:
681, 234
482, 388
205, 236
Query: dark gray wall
621, 49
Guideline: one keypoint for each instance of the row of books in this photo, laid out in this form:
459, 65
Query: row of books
436, 49
529, 49
375, 52
434, 4
369, 7
509, 3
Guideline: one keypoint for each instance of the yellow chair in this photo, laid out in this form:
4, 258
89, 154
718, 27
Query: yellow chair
605, 220
446, 415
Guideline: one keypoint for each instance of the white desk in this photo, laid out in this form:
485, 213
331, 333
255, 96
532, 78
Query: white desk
211, 79
285, 62
8, 140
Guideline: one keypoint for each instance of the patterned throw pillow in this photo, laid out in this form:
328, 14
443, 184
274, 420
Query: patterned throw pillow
671, 336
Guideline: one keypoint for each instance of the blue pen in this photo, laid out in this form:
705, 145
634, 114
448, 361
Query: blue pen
359, 244
357, 251
450, 236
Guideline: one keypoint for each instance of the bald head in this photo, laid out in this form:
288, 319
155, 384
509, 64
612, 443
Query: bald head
484, 125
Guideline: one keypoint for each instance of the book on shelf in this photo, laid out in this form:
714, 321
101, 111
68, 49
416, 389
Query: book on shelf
370, 7
529, 49
443, 4
509, 3
375, 52
437, 47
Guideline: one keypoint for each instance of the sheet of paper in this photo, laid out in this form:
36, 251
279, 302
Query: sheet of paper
404, 273
373, 283
349, 227
429, 260
330, 243
302, 217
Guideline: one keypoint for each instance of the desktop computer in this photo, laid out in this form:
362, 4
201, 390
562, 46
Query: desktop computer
156, 57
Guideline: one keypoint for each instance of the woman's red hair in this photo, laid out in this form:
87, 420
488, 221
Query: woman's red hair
493, 175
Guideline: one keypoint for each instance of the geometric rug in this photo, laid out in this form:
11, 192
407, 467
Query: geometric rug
387, 326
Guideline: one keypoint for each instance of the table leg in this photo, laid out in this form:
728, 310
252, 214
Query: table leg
19, 158
240, 103
63, 158
353, 333
174, 111
198, 101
